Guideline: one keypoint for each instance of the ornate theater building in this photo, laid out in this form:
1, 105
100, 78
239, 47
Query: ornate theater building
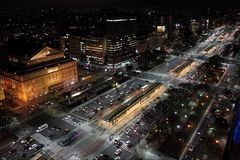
28, 76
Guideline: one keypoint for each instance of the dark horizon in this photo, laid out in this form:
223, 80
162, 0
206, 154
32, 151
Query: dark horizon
89, 4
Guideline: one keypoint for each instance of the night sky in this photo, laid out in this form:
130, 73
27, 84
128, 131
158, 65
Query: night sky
117, 3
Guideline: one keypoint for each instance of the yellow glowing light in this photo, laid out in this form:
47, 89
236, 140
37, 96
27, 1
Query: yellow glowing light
161, 29
53, 70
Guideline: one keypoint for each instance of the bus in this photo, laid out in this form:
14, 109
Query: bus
143, 88
69, 138
42, 127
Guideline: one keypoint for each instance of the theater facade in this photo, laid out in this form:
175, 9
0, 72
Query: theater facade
29, 76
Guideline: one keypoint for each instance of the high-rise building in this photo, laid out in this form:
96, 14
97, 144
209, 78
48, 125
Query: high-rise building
142, 44
120, 41
95, 49
30, 71
73, 44
156, 40
170, 28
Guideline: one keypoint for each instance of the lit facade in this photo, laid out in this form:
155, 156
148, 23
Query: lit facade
2, 96
142, 44
48, 69
95, 49
156, 41
73, 44
120, 41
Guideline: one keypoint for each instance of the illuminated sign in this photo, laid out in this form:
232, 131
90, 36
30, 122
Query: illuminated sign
161, 29
53, 70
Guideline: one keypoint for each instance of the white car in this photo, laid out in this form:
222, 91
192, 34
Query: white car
118, 151
128, 142
23, 141
67, 117
191, 148
117, 158
32, 147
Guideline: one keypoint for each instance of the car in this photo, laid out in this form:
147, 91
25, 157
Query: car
119, 144
12, 150
116, 140
118, 151
74, 122
67, 117
15, 141
54, 128
142, 123
29, 139
128, 142
23, 141
66, 131
32, 147
117, 158
129, 146
191, 147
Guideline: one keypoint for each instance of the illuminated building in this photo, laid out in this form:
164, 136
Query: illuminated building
117, 45
194, 26
73, 44
170, 28
121, 44
2, 96
142, 44
95, 49
156, 40
31, 71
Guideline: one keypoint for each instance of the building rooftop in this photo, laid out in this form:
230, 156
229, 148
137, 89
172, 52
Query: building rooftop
19, 48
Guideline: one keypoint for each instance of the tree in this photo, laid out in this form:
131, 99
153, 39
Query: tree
238, 70
5, 119
129, 67
215, 61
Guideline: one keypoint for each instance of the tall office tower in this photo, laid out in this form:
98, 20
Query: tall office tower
73, 44
120, 41
170, 28
95, 50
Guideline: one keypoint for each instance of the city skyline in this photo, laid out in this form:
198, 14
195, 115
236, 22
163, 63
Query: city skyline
119, 80
90, 4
